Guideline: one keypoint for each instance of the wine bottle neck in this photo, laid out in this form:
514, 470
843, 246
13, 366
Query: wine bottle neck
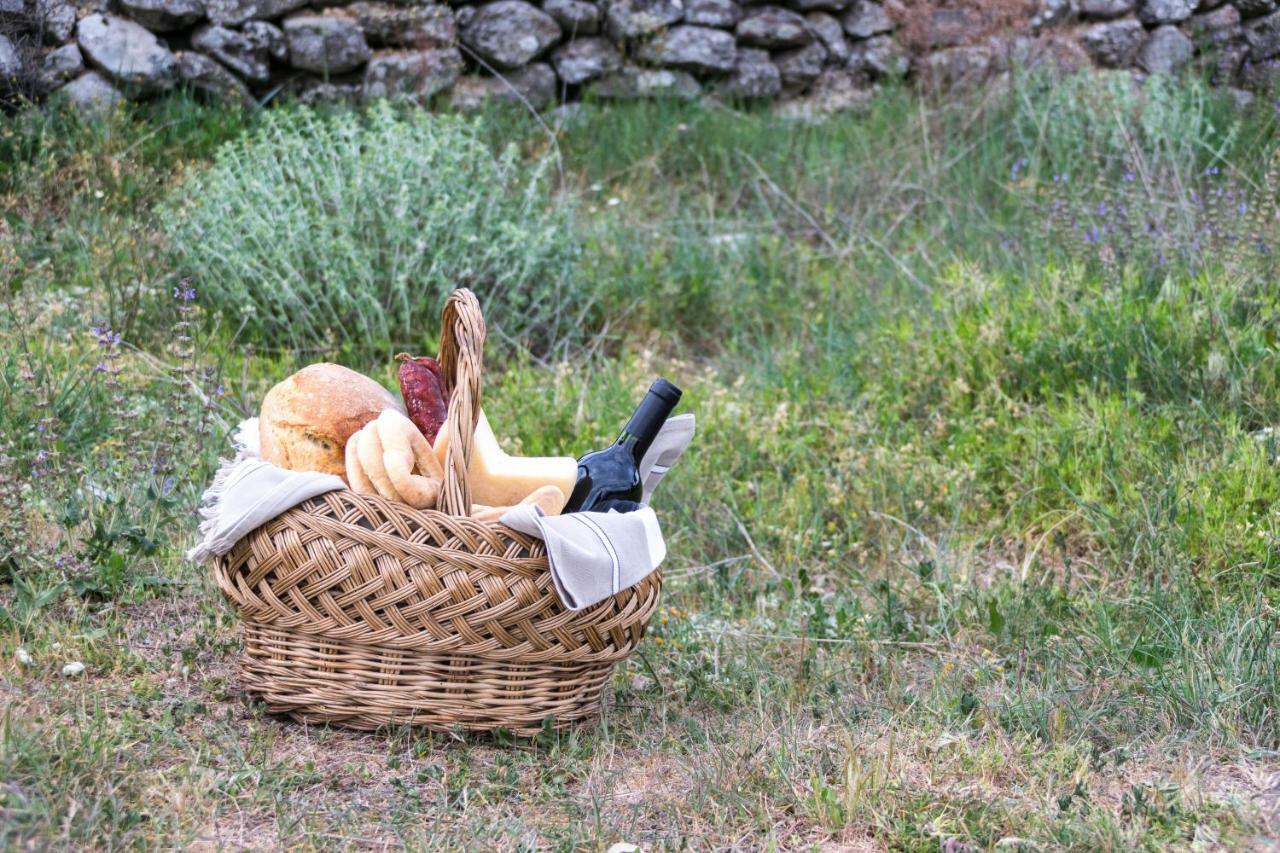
648, 418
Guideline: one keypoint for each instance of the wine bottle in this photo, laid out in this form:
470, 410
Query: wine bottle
618, 506
613, 474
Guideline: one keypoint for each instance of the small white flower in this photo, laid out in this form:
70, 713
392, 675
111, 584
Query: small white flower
73, 669
23, 656
731, 239
97, 193
615, 201
595, 188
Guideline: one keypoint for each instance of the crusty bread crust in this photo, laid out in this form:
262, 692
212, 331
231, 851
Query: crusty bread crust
307, 419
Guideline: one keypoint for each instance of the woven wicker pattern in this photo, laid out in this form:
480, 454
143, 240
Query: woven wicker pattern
364, 570
365, 612
321, 680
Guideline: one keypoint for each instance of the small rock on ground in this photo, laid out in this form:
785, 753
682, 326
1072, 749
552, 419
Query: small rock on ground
246, 53
163, 15
1166, 50
694, 48
633, 82
1113, 44
754, 77
773, 27
576, 17
414, 74
534, 85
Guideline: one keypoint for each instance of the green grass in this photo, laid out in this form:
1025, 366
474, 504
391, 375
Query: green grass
978, 543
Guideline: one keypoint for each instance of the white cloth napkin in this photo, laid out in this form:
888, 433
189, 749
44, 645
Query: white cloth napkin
247, 493
593, 555
667, 447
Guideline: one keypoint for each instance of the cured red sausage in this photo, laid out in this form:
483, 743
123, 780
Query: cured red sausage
422, 387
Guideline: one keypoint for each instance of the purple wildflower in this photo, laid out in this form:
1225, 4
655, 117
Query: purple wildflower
106, 337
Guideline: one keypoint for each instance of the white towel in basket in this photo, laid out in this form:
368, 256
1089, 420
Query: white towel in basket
247, 493
593, 555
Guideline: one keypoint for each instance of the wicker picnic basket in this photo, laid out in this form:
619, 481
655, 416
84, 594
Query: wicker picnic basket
364, 612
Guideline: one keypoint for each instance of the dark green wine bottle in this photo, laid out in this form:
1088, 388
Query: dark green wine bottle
612, 475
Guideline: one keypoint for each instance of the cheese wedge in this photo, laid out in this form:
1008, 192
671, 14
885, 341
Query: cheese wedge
497, 479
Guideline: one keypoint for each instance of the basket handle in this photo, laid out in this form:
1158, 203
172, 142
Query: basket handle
461, 365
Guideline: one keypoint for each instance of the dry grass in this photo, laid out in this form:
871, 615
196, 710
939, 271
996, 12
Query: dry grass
666, 770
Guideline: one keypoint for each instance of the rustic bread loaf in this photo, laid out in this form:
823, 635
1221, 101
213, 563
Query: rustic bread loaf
307, 419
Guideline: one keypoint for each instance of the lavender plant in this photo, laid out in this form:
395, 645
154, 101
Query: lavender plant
348, 230
1217, 219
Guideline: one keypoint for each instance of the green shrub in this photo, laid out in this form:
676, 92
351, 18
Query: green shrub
318, 230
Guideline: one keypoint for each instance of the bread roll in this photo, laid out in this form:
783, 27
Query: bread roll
548, 498
412, 469
390, 457
369, 452
307, 419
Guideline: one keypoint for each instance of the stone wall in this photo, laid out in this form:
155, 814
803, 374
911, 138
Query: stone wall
809, 56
